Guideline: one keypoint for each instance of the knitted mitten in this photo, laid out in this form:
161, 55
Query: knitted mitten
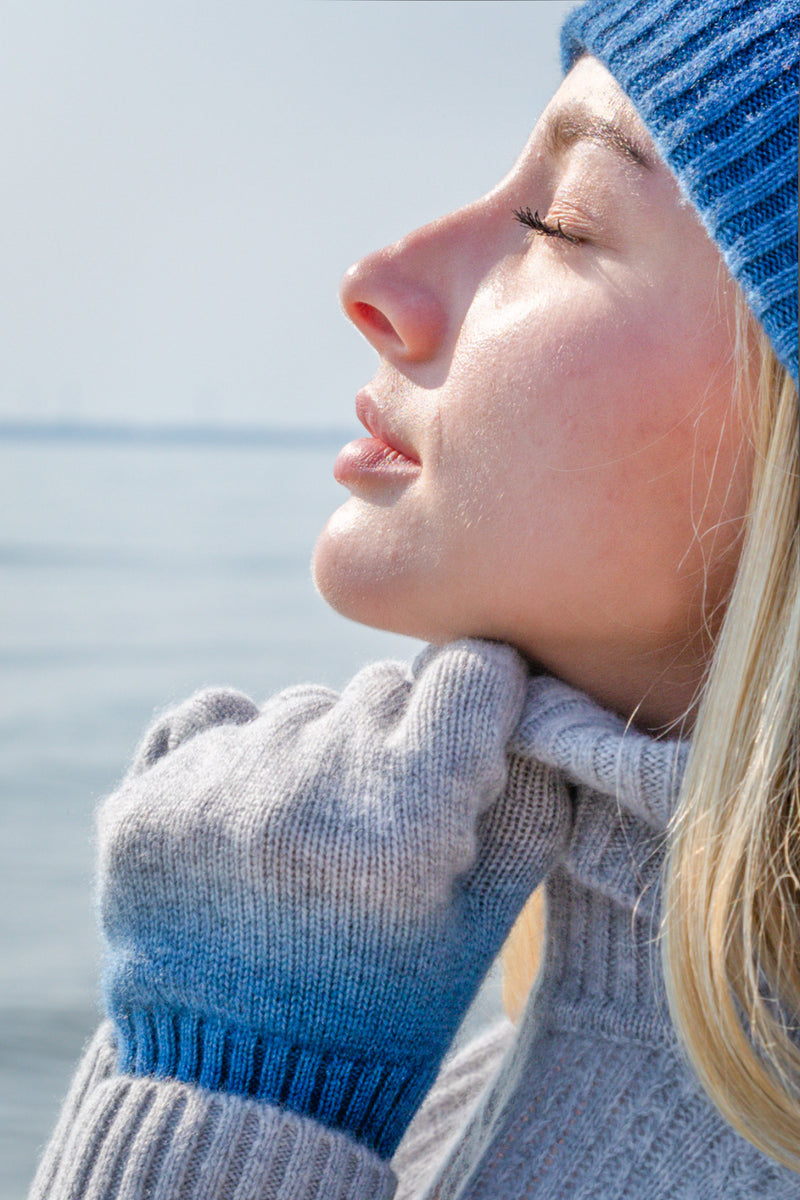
300, 902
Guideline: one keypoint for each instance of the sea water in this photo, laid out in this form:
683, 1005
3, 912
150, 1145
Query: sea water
130, 575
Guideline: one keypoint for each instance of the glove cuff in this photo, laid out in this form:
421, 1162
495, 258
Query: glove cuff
371, 1102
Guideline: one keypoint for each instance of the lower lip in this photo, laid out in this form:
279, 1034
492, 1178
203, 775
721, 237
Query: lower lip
371, 458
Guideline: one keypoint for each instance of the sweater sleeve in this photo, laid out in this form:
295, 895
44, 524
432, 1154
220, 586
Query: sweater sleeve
140, 1138
156, 1139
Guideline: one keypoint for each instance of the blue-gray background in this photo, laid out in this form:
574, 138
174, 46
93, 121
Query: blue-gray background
184, 184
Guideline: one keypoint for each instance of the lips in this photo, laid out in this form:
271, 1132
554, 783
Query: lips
381, 458
369, 417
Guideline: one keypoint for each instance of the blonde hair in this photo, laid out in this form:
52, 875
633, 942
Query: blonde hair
731, 923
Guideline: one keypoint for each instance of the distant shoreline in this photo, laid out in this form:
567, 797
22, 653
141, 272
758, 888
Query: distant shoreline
245, 436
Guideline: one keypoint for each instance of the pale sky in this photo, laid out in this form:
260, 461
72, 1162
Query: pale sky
185, 182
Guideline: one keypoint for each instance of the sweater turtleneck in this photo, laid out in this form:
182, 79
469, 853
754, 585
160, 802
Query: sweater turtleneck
602, 969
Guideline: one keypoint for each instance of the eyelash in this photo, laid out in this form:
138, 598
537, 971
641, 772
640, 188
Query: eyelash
532, 221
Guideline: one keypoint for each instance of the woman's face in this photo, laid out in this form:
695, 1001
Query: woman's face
553, 457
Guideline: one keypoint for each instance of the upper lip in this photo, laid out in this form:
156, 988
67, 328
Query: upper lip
373, 422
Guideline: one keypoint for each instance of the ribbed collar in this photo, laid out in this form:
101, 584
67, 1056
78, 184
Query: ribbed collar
565, 729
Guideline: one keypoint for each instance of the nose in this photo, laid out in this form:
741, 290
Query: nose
391, 300
409, 299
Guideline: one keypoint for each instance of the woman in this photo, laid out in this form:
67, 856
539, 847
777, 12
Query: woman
583, 450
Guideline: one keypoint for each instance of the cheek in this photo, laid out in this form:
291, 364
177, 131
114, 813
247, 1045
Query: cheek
645, 387
601, 456
662, 460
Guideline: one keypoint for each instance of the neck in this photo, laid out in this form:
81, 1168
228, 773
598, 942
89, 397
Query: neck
657, 692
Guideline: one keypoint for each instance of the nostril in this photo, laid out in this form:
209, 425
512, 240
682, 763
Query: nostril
406, 322
371, 317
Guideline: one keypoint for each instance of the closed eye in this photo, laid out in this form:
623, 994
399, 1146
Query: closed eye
532, 220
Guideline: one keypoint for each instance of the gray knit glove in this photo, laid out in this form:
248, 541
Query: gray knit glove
300, 903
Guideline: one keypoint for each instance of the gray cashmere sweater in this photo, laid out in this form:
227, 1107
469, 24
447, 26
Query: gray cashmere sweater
588, 1100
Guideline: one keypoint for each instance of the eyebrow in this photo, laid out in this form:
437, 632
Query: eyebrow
573, 123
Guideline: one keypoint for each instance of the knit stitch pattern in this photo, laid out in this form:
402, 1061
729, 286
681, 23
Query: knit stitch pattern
299, 902
591, 1100
716, 84
594, 1099
122, 1137
586, 1118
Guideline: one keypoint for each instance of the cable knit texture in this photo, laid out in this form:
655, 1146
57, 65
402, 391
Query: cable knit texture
716, 82
590, 1100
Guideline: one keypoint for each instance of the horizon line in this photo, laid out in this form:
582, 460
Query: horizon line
67, 429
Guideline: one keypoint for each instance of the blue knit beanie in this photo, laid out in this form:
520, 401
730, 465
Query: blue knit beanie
716, 84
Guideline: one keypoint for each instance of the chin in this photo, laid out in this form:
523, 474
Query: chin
384, 597
360, 588
377, 586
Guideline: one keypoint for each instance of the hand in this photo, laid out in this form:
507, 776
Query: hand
300, 903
